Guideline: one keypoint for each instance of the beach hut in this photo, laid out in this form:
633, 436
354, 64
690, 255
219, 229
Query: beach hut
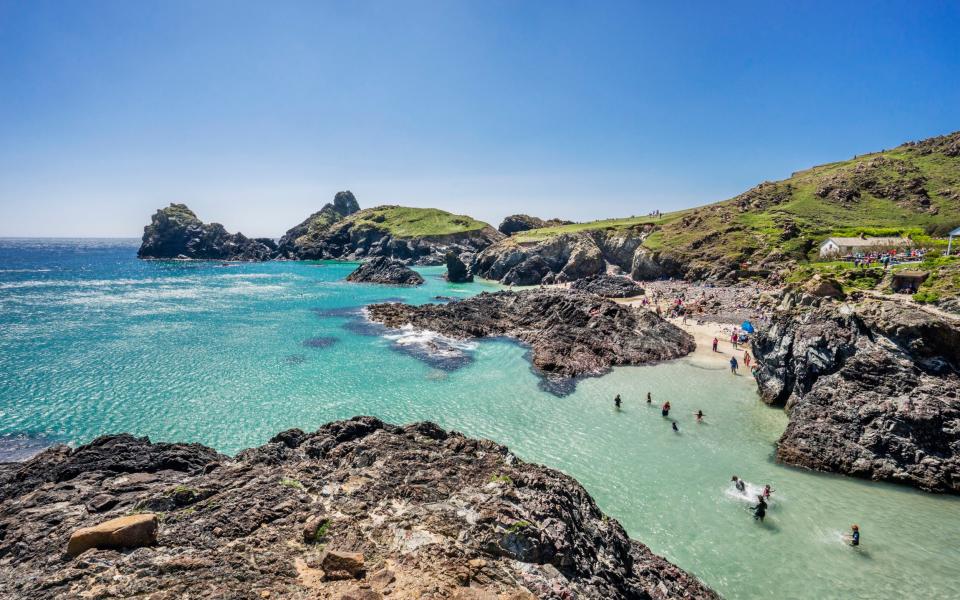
952, 234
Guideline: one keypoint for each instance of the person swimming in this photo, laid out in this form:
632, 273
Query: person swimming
739, 484
767, 490
760, 510
854, 535
699, 414
675, 428
665, 409
617, 401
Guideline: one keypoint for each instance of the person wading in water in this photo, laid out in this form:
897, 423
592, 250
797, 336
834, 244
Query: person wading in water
665, 409
617, 401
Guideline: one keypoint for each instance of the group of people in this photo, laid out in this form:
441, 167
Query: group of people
664, 410
760, 510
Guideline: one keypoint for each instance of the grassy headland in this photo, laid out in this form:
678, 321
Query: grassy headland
408, 222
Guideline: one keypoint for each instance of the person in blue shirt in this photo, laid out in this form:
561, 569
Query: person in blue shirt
854, 535
733, 365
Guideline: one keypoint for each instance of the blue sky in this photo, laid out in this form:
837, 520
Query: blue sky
255, 114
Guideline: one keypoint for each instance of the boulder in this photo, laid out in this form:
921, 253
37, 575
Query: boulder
457, 272
823, 287
385, 271
342, 565
132, 531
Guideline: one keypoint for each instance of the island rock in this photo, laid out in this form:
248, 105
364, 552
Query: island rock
176, 232
405, 512
385, 271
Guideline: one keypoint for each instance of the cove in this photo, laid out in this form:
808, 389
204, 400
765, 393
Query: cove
93, 341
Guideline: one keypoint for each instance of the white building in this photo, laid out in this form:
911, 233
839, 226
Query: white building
844, 246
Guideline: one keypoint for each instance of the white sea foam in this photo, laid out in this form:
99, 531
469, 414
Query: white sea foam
430, 341
749, 495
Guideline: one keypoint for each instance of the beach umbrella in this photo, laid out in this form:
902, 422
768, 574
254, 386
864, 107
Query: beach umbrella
747, 327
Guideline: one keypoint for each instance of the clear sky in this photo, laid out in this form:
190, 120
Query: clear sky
256, 113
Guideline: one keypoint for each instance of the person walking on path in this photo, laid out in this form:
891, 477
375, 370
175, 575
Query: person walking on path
733, 365
733, 340
746, 359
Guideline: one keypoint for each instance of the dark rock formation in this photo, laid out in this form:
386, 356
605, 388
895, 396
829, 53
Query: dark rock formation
385, 271
176, 232
872, 389
608, 286
571, 333
358, 509
307, 238
457, 272
572, 256
516, 223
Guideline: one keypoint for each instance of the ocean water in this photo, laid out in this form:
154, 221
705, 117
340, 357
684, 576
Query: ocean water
93, 341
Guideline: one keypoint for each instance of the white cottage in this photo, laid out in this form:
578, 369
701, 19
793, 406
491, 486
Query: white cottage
843, 246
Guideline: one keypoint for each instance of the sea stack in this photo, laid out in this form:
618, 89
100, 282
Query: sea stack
176, 232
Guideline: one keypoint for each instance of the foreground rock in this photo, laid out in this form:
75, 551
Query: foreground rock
358, 509
608, 286
872, 389
457, 272
385, 271
176, 232
132, 531
571, 333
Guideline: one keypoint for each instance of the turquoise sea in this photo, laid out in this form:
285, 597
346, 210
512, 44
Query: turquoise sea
93, 341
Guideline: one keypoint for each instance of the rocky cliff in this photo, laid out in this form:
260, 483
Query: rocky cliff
176, 232
872, 389
570, 256
356, 510
570, 333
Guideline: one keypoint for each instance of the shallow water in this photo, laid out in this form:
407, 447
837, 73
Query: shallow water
93, 341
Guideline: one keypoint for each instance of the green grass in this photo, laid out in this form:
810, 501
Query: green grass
293, 484
408, 222
538, 235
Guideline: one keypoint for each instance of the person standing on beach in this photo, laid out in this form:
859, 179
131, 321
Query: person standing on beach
746, 359
733, 340
715, 342
733, 365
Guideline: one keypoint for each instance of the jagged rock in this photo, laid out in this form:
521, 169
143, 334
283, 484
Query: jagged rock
385, 271
132, 531
571, 256
429, 511
571, 333
872, 390
176, 232
457, 272
517, 223
304, 239
608, 286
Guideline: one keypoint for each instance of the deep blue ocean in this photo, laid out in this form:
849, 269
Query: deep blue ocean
93, 341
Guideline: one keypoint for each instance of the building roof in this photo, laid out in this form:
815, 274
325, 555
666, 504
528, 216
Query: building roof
869, 242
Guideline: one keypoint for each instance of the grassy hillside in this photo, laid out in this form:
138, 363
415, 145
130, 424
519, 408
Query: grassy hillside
913, 189
407, 222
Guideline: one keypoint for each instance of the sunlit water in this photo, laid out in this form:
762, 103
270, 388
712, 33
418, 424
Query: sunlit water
93, 341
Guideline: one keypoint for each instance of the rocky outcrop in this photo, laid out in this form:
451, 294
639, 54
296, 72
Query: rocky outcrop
357, 509
608, 286
385, 271
176, 232
517, 223
457, 272
307, 238
872, 389
570, 333
571, 256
